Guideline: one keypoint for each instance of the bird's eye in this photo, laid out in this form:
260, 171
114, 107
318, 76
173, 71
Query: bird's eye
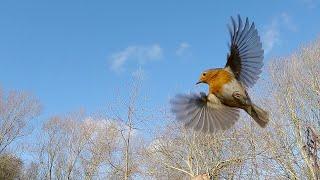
203, 74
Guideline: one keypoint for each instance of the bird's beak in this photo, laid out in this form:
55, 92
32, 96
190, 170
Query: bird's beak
199, 82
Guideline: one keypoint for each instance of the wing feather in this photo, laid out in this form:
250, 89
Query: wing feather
205, 125
219, 117
246, 53
196, 111
213, 124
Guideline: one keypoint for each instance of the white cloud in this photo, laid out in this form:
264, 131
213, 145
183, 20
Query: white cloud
287, 22
310, 3
137, 54
271, 33
182, 49
270, 37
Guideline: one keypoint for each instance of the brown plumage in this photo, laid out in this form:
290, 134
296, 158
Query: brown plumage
219, 109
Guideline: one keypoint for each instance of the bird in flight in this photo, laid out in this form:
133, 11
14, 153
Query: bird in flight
219, 109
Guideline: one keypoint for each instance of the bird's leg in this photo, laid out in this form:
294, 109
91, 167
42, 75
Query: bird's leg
240, 98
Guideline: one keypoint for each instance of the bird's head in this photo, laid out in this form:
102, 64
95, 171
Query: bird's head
207, 76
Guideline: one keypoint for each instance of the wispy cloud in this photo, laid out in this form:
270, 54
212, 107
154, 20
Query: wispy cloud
287, 22
182, 49
271, 35
310, 3
135, 54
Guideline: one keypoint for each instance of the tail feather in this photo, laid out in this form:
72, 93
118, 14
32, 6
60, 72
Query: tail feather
259, 115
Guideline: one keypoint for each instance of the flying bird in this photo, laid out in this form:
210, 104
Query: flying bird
219, 108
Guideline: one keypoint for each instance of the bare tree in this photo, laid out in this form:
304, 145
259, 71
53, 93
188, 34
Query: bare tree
17, 109
296, 93
30, 171
131, 115
101, 148
75, 146
178, 152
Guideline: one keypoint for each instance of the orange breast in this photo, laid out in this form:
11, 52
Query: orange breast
216, 82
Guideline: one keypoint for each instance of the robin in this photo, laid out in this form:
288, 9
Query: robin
219, 109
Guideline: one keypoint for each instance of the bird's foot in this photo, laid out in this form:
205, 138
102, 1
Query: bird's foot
236, 95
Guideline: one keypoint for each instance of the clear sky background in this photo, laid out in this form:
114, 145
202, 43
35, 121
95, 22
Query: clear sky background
79, 54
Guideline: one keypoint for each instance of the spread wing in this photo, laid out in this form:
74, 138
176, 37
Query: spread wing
198, 112
246, 53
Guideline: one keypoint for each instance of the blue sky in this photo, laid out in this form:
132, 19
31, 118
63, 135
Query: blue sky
79, 54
